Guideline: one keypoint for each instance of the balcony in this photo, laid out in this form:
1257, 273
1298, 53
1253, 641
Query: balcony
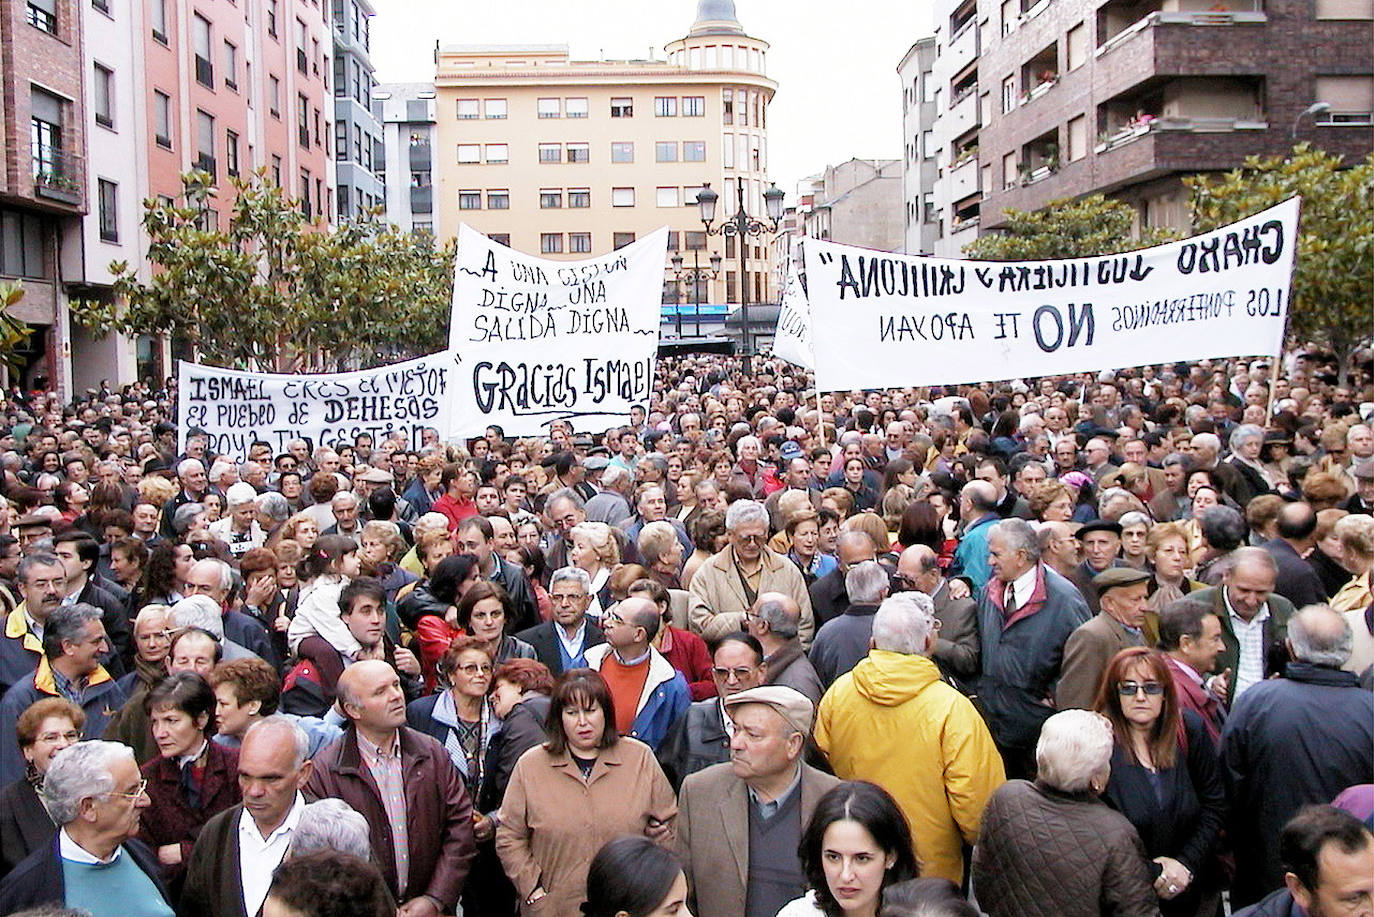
963, 47
1119, 22
1039, 158
1192, 105
963, 177
961, 233
422, 199
420, 156
1040, 74
962, 116
58, 176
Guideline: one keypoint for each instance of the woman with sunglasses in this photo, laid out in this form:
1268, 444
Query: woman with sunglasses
1165, 779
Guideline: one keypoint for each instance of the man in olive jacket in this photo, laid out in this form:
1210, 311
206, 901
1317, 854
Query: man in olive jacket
1254, 620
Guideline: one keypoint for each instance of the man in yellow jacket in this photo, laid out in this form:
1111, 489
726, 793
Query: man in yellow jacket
893, 722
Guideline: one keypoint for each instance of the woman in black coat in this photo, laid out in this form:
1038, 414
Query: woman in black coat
44, 729
520, 698
1166, 780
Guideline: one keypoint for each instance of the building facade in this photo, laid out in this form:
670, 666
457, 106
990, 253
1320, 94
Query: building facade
358, 149
919, 168
859, 202
1038, 100
407, 115
570, 158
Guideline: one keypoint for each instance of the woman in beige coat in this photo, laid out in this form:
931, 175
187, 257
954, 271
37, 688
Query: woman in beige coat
571, 795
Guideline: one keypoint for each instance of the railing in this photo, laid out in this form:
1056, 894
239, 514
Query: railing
1196, 18
1346, 119
1038, 174
58, 175
208, 164
1034, 11
1038, 90
958, 226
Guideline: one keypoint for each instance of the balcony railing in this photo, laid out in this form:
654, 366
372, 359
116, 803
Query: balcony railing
1129, 132
1197, 18
57, 175
1039, 89
1040, 173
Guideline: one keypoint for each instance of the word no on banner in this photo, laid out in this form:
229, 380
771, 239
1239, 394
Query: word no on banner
536, 341
880, 320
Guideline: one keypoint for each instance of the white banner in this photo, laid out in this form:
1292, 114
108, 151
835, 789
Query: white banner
538, 340
237, 408
792, 339
883, 320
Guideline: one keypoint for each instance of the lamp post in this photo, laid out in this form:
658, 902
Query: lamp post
1316, 108
695, 275
741, 226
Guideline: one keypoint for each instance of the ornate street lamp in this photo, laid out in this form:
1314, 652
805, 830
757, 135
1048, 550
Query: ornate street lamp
742, 226
695, 275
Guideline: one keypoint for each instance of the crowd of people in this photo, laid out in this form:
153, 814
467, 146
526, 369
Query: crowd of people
1092, 644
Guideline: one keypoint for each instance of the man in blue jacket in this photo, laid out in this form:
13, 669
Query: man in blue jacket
649, 694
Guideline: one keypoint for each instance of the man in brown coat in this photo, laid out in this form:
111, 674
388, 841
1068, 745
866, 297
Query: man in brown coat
1121, 591
405, 785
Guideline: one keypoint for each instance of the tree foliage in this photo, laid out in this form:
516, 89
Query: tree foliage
272, 291
14, 334
1074, 228
1333, 279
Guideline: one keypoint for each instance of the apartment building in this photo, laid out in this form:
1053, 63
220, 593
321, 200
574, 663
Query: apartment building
920, 224
858, 202
1037, 100
407, 115
358, 148
574, 158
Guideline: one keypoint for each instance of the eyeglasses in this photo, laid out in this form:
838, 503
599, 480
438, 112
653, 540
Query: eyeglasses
134, 796
750, 539
738, 673
475, 668
1132, 688
566, 598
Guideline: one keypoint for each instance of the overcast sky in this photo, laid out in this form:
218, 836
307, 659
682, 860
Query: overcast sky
835, 62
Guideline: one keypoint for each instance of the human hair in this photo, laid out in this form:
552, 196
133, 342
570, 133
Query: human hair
450, 573
1320, 636
87, 548
1307, 834
655, 540
1323, 489
584, 688
27, 726
331, 824
1161, 532
929, 897
255, 561
529, 675
251, 679
777, 616
1134, 518
629, 875
744, 639
843, 499
327, 883
743, 512
708, 526
78, 772
794, 520
1356, 534
1074, 747
426, 541
185, 515
480, 591
324, 555
1164, 734
1181, 618
877, 812
872, 525
199, 611
1017, 535
572, 575
1045, 494
1222, 527
67, 624
273, 505
225, 572
480, 523
865, 583
364, 587
389, 534
602, 540
904, 623
300, 742
38, 559
186, 692
457, 647
920, 524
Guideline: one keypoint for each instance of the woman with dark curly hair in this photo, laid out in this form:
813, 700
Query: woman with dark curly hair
327, 883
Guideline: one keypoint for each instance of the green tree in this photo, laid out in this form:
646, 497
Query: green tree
1070, 228
272, 291
1332, 299
14, 334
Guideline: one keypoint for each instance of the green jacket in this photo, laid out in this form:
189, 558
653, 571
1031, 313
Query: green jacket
1275, 633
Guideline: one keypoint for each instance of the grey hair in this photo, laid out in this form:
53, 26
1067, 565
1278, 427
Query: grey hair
613, 475
904, 623
299, 740
199, 611
1018, 535
185, 514
1223, 528
67, 623
186, 466
1178, 458
39, 559
568, 494
1321, 636
81, 771
226, 572
780, 623
656, 539
1134, 517
1245, 432
744, 511
331, 824
1074, 747
866, 582
274, 505
1208, 441
346, 495
572, 575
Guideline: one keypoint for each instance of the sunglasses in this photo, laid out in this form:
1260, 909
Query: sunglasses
1132, 688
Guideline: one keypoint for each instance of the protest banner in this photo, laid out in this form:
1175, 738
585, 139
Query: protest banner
538, 340
236, 408
880, 319
792, 339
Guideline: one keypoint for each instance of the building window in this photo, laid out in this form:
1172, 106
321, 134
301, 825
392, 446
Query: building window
665, 151
470, 200
498, 153
158, 14
303, 120
579, 197
693, 151
579, 152
1351, 99
162, 119
622, 197
108, 200
469, 153
200, 36
550, 199
1009, 170
205, 143
622, 151
231, 66
104, 96
498, 200
727, 151
730, 286
305, 194
621, 239
665, 107
548, 108
231, 152
551, 243
341, 141
495, 108
302, 55
666, 197
276, 170
1008, 94
622, 108
695, 240
272, 19
575, 108
500, 238
1010, 12
580, 243
274, 97
1345, 9
467, 109
1078, 137
550, 152
42, 14
693, 106
1077, 46
727, 106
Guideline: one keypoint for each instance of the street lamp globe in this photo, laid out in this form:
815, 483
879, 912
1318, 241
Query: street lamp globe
706, 203
715, 263
772, 201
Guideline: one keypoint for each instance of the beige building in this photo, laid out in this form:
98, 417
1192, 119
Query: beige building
576, 158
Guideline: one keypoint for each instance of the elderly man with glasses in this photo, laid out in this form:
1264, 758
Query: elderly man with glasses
95, 794
701, 736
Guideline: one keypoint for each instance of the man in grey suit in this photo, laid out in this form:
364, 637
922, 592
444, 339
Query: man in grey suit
956, 650
739, 824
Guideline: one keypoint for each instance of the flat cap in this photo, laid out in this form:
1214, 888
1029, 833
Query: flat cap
1115, 577
1100, 525
374, 475
1364, 469
595, 462
789, 703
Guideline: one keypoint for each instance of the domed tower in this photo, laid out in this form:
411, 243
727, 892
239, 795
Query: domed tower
716, 17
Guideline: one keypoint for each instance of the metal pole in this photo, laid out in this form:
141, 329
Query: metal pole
677, 308
696, 289
742, 234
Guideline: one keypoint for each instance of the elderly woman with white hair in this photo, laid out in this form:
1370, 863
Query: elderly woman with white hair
662, 552
331, 824
1052, 848
1246, 442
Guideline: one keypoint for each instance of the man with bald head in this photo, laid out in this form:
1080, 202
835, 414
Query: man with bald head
1297, 580
978, 511
829, 594
775, 620
956, 646
649, 693
1254, 620
405, 785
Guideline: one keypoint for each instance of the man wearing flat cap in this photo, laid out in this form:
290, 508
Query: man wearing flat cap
1101, 541
1122, 594
739, 824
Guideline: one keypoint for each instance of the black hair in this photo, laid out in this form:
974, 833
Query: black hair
328, 883
450, 573
630, 874
1302, 840
1181, 618
381, 503
323, 554
364, 587
872, 807
87, 548
187, 692
743, 638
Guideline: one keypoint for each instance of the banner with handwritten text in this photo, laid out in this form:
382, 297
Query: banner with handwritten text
537, 340
235, 408
881, 320
792, 339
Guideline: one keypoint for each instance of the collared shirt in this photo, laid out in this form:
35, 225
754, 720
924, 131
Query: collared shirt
766, 809
73, 691
1023, 587
34, 627
1189, 671
385, 767
69, 849
725, 718
1250, 635
259, 855
635, 661
193, 757
572, 647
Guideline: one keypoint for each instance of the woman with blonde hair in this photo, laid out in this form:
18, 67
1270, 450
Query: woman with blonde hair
302, 529
1356, 534
592, 547
872, 525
